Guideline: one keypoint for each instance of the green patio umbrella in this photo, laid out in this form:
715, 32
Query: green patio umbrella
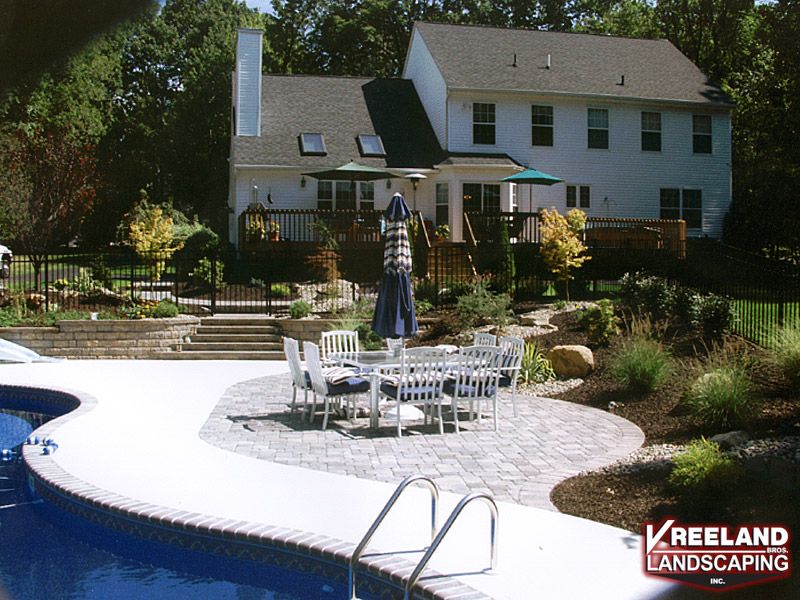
532, 177
351, 172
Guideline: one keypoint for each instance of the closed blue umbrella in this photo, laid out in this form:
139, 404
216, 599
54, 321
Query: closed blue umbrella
394, 311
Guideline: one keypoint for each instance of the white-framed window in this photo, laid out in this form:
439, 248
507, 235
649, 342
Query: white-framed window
651, 131
684, 204
371, 145
481, 197
366, 195
312, 144
541, 125
325, 195
579, 196
701, 134
442, 203
483, 123
512, 198
597, 130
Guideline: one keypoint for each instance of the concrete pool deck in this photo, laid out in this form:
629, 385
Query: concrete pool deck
142, 443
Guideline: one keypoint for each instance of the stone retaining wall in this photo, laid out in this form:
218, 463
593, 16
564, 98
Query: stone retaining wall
144, 338
310, 330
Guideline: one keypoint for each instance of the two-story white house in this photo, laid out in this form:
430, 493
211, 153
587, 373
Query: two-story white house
631, 126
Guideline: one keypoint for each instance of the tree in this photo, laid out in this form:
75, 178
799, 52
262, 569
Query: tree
152, 237
49, 181
561, 243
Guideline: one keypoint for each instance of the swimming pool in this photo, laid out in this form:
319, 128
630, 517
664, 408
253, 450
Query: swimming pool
46, 552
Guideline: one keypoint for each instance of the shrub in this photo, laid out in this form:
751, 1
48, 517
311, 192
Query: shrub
641, 364
280, 290
164, 310
785, 352
422, 306
299, 309
649, 295
599, 321
714, 314
484, 306
368, 339
704, 471
535, 366
203, 277
425, 290
723, 395
101, 273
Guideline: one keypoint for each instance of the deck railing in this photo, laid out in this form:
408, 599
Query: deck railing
306, 225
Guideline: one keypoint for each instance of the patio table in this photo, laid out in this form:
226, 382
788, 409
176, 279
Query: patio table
374, 363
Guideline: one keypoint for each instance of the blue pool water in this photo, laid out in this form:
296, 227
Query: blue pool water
46, 553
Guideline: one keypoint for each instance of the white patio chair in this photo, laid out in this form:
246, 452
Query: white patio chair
484, 339
511, 351
392, 343
418, 382
474, 380
346, 390
337, 341
300, 379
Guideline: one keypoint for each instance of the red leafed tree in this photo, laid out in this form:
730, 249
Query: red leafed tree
50, 182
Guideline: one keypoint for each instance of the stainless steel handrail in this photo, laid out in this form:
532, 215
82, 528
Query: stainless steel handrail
356, 556
412, 580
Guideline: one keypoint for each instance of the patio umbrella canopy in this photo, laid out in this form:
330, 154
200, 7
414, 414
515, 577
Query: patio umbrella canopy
394, 311
532, 177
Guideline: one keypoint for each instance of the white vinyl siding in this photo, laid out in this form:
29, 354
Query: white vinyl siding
625, 181
429, 83
247, 107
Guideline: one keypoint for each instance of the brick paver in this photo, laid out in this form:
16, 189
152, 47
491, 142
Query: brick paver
548, 442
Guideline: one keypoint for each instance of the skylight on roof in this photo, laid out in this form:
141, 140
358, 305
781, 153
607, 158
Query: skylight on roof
371, 145
312, 144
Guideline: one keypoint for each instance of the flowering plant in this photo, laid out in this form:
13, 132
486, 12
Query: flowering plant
273, 226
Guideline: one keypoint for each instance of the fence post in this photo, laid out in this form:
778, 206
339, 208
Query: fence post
46, 278
133, 274
214, 283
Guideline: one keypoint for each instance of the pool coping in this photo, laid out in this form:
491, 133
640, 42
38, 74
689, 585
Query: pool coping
382, 574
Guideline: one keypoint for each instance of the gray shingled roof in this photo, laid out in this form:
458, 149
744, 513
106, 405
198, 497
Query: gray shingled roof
340, 108
482, 58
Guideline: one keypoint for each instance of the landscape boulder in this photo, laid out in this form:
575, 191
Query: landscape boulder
728, 440
571, 361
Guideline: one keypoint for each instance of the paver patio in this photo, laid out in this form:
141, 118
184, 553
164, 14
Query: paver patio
548, 442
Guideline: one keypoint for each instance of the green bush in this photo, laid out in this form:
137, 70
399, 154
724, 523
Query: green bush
714, 314
203, 277
704, 471
723, 395
299, 309
280, 290
425, 290
164, 310
648, 295
535, 366
641, 364
785, 352
421, 307
368, 339
599, 321
483, 306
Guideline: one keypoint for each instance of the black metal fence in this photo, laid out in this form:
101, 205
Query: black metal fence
765, 293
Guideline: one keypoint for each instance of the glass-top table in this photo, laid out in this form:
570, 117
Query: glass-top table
371, 363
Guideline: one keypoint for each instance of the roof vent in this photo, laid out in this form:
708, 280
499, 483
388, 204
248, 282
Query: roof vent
515, 60
548, 62
621, 80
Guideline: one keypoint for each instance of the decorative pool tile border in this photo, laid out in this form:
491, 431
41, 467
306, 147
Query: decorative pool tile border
380, 576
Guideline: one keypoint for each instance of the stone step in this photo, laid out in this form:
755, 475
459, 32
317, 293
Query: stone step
238, 321
231, 347
202, 337
238, 330
221, 355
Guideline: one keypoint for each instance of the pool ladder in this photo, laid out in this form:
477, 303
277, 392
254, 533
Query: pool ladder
436, 538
